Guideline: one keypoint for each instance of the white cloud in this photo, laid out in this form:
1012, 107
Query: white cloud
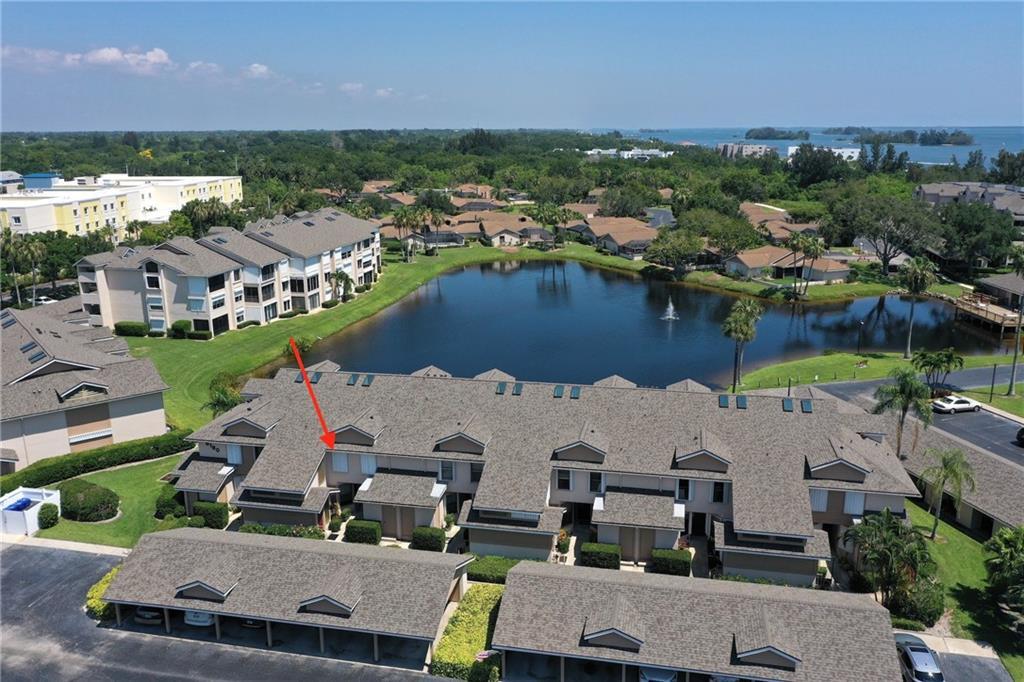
203, 69
351, 88
258, 71
384, 92
145, 63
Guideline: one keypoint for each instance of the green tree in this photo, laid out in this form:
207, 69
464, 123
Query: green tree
674, 248
936, 365
974, 232
1017, 256
949, 472
905, 394
916, 276
741, 327
813, 248
894, 553
796, 243
1005, 566
223, 394
889, 224
811, 165
32, 252
11, 242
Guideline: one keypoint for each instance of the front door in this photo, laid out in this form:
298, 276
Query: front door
406, 522
627, 540
698, 524
389, 521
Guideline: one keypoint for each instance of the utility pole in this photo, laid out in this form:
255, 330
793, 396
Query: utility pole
992, 389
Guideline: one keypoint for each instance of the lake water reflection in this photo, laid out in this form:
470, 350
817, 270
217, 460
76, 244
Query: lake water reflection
573, 323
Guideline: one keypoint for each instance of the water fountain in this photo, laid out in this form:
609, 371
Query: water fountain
670, 312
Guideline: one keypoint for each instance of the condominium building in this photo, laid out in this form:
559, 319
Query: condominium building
68, 388
230, 277
88, 203
1006, 198
768, 481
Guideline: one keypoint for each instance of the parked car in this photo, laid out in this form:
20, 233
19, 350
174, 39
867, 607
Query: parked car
144, 616
955, 403
917, 661
1020, 436
251, 623
198, 619
43, 300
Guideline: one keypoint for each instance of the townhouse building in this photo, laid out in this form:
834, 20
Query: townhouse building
768, 481
88, 203
230, 277
1006, 198
69, 388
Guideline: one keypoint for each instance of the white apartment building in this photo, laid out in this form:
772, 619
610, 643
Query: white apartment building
88, 203
230, 277
848, 153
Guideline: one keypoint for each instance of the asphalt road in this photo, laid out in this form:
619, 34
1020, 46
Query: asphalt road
986, 430
47, 636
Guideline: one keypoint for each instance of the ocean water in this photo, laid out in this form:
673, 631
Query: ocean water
988, 139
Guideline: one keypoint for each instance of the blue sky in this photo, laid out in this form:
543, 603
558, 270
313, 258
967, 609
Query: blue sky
150, 66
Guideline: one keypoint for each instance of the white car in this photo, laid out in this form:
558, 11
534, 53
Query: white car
44, 300
955, 403
198, 619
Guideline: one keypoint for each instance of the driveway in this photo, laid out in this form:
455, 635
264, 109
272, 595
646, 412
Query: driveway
960, 660
46, 634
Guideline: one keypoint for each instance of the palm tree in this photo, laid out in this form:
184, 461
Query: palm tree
905, 394
814, 249
1005, 564
1017, 255
950, 470
893, 552
33, 251
936, 365
10, 254
435, 217
741, 327
916, 275
796, 244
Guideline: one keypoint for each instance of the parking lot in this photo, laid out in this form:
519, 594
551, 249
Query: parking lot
46, 635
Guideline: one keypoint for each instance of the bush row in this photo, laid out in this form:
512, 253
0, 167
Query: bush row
670, 561
467, 634
363, 531
600, 555
214, 514
283, 530
95, 607
331, 303
428, 538
75, 464
129, 328
491, 569
169, 502
249, 323
199, 336
81, 500
180, 328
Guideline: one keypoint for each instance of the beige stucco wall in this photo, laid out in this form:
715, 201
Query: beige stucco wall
139, 417
36, 438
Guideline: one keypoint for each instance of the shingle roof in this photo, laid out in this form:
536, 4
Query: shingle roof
615, 381
691, 624
311, 234
1007, 282
431, 371
550, 521
726, 539
621, 230
402, 488
203, 475
624, 507
403, 593
240, 247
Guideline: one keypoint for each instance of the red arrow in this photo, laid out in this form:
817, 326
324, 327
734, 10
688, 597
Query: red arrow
328, 436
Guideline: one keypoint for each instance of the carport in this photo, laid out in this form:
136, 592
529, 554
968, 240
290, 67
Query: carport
355, 602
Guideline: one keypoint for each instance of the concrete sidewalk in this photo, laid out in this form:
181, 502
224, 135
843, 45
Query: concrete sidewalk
7, 540
952, 645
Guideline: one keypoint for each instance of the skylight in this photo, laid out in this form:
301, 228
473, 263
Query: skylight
559, 391
37, 357
352, 379
741, 402
500, 390
517, 388
314, 378
368, 379
806, 406
574, 393
723, 401
28, 346
8, 322
787, 404
298, 377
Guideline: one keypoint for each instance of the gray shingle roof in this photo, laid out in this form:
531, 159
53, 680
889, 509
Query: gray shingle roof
402, 593
402, 488
615, 381
550, 520
692, 623
1007, 282
313, 233
626, 507
241, 247
725, 539
203, 475
190, 258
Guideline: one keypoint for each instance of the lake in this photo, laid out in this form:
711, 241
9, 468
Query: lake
574, 323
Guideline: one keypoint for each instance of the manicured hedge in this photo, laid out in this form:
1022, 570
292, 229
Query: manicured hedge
169, 502
60, 468
491, 569
95, 607
214, 513
81, 500
129, 328
288, 315
199, 336
600, 555
467, 634
427, 538
908, 624
335, 525
363, 531
284, 530
180, 328
48, 515
331, 303
249, 323
156, 333
670, 561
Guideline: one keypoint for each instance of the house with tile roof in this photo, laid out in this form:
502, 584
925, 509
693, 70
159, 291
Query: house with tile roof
776, 262
69, 388
766, 479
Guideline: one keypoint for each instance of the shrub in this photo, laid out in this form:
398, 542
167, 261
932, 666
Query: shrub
335, 524
95, 607
288, 315
283, 530
468, 633
199, 336
860, 583
670, 561
180, 328
449, 521
63, 467
491, 569
427, 538
303, 343
346, 513
562, 543
156, 333
81, 500
214, 513
196, 522
923, 602
362, 531
48, 515
168, 502
908, 624
331, 303
600, 555
129, 328
361, 288
347, 297
249, 323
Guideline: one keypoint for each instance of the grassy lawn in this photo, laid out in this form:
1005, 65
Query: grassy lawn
961, 566
843, 367
137, 486
818, 293
1013, 405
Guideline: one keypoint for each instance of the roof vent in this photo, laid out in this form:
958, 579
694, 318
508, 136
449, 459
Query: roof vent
314, 378
307, 223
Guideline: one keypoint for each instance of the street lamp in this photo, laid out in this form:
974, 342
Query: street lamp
860, 336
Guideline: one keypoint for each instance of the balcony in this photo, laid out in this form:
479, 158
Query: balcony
92, 298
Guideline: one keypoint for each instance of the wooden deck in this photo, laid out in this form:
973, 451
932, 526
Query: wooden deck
985, 311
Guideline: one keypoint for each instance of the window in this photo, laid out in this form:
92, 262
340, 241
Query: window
267, 272
596, 482
287, 304
154, 303
339, 462
234, 454
196, 305
718, 492
238, 296
216, 282
17, 220
313, 283
314, 301
683, 489
854, 504
298, 286
239, 316
217, 303
286, 285
267, 291
819, 500
368, 463
475, 471
156, 324
446, 471
236, 275
270, 312
252, 294
564, 479
153, 281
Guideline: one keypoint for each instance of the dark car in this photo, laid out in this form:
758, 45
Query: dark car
1020, 436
